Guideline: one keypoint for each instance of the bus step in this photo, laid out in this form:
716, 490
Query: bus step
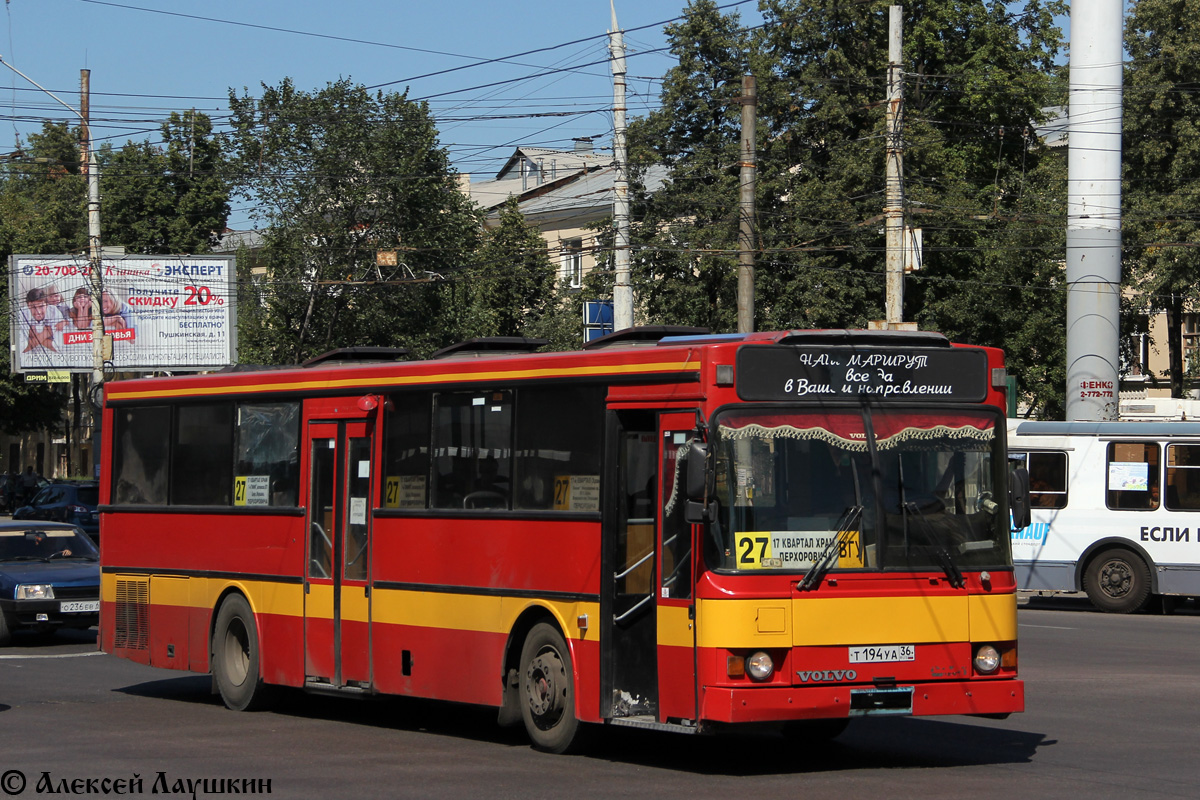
316, 686
647, 722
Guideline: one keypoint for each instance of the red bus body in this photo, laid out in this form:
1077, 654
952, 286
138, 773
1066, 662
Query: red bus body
438, 602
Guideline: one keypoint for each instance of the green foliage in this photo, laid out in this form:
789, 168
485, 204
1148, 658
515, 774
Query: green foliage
512, 283
42, 210
166, 199
340, 175
1161, 154
977, 180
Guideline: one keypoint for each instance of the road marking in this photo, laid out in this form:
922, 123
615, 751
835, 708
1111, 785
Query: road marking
52, 655
1047, 627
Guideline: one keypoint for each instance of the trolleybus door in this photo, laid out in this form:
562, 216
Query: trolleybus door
337, 604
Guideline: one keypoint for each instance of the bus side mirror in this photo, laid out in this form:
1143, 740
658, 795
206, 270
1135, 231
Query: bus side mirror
696, 481
1018, 497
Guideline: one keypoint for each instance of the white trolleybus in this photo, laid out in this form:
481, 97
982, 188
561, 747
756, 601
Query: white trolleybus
1115, 510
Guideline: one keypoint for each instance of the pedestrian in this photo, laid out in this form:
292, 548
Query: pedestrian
29, 485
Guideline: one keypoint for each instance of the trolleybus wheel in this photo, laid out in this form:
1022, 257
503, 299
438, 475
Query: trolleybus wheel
1117, 581
815, 730
235, 656
547, 690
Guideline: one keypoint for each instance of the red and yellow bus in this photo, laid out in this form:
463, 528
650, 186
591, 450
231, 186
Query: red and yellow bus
667, 529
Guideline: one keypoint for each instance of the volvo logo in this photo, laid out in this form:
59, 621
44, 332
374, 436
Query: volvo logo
826, 676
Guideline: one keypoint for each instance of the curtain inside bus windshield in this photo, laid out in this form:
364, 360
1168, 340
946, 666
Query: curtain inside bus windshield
918, 495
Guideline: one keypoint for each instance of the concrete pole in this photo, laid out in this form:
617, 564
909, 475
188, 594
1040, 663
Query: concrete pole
894, 209
1094, 210
622, 290
746, 241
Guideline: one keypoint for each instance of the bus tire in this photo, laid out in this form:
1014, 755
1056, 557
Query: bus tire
1117, 581
236, 657
548, 690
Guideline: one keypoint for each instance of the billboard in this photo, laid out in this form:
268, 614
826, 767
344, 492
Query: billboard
162, 312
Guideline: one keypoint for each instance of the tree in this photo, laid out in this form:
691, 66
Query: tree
511, 287
169, 198
1162, 167
42, 210
976, 178
341, 176
685, 242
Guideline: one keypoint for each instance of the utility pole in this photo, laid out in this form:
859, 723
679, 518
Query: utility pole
622, 291
746, 243
1094, 210
894, 209
94, 264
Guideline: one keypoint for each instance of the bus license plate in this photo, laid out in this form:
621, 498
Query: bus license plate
78, 606
880, 653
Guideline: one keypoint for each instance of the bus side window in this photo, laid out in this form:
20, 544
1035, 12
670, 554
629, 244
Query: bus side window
1047, 480
1133, 480
1183, 477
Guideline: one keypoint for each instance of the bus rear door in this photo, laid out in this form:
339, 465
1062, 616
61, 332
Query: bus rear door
337, 601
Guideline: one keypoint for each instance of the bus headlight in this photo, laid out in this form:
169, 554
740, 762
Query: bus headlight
987, 659
759, 666
35, 591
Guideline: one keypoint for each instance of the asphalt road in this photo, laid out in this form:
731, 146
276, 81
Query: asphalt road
1112, 703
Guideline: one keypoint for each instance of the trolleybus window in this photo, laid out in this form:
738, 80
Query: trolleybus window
1047, 479
1183, 477
1133, 476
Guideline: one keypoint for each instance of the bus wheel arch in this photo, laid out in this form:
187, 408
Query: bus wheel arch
1118, 579
235, 655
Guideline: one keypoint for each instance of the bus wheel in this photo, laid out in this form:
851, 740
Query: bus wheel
1117, 581
815, 731
235, 656
547, 690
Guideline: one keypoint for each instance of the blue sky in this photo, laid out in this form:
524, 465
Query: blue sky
145, 63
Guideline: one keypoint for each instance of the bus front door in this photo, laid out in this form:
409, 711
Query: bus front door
337, 601
648, 655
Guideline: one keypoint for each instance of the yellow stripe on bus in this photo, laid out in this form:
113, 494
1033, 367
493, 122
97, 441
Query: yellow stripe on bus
115, 392
466, 612
817, 621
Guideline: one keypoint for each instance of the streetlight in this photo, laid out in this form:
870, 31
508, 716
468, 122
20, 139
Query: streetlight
94, 270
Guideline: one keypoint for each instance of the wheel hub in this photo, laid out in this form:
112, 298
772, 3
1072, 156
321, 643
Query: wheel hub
541, 677
1115, 579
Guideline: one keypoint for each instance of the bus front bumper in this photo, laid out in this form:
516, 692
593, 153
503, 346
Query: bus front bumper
770, 703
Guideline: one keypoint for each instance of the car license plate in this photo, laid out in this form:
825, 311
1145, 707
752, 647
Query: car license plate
882, 653
78, 606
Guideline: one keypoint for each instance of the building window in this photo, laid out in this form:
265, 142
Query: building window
572, 263
1191, 342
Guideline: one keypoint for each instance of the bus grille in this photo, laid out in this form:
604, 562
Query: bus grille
130, 631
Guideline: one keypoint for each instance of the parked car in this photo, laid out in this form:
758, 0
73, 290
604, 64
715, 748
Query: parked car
49, 577
75, 502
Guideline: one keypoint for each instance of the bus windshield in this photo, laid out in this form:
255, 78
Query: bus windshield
865, 489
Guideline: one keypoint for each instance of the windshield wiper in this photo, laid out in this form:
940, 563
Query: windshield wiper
938, 548
825, 560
